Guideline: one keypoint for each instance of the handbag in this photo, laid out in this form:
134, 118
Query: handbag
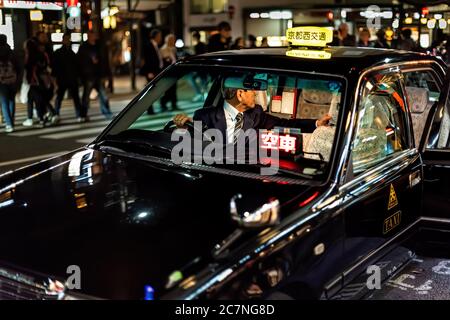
24, 88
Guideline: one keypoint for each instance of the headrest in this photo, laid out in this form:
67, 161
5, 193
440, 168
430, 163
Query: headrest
317, 96
417, 98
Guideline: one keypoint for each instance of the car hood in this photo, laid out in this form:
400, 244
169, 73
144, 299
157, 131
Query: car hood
125, 222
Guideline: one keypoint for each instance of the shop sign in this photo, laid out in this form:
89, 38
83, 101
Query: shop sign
22, 4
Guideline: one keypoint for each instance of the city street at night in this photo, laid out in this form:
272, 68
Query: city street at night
229, 153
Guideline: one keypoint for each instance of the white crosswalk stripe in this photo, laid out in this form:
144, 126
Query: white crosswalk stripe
83, 133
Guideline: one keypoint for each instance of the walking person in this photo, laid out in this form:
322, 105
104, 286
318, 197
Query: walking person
8, 83
43, 40
30, 47
406, 42
239, 43
39, 78
169, 55
264, 43
153, 63
381, 40
199, 47
346, 39
66, 72
198, 79
92, 67
251, 40
221, 40
46, 47
48, 85
364, 38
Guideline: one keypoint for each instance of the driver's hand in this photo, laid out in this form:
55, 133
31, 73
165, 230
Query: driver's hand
324, 121
181, 119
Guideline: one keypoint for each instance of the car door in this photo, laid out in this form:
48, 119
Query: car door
436, 158
383, 196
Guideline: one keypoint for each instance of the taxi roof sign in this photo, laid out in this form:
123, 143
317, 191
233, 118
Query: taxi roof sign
309, 36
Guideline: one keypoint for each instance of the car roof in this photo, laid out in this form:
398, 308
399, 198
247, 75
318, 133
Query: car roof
343, 59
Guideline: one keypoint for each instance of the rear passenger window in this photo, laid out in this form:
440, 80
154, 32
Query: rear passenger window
381, 130
422, 92
439, 137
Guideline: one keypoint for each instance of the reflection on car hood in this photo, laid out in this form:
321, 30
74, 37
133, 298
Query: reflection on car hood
125, 222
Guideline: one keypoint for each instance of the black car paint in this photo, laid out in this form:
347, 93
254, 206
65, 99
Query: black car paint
97, 220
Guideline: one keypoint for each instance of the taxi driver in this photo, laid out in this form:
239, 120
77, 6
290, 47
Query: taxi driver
240, 111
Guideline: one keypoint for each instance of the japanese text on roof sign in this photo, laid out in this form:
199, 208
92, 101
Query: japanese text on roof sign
307, 35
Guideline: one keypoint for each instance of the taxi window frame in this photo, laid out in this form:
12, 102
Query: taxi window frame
404, 115
340, 130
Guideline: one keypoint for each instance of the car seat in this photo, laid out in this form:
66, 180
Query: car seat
420, 106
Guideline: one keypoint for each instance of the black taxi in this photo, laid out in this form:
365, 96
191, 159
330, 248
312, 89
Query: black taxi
136, 215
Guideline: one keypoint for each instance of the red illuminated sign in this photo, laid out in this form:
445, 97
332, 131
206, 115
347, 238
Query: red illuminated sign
287, 143
274, 141
72, 3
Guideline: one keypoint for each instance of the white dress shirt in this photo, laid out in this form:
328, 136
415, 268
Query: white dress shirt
230, 117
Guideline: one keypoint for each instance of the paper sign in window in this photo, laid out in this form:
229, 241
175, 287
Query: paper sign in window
276, 104
288, 102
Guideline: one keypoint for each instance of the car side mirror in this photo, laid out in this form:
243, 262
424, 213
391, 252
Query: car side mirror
255, 217
264, 216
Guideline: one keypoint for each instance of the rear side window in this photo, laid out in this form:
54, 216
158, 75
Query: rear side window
423, 79
422, 92
381, 126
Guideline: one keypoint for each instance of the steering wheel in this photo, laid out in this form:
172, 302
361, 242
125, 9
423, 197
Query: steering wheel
170, 126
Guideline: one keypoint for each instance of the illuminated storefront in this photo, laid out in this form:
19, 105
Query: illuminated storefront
22, 19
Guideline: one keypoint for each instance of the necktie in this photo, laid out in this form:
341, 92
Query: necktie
238, 126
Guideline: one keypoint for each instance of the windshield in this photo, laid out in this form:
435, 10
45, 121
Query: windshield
240, 119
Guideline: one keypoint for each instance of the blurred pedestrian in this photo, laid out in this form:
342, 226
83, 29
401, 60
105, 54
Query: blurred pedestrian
153, 62
37, 71
345, 38
406, 42
238, 44
381, 40
364, 38
199, 47
336, 41
8, 83
198, 79
66, 71
264, 43
169, 55
46, 47
221, 40
92, 68
44, 41
251, 40
30, 47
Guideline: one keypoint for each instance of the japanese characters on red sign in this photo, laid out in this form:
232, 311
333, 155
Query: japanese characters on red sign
275, 141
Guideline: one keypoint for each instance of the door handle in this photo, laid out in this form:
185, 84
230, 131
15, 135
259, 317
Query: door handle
414, 179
